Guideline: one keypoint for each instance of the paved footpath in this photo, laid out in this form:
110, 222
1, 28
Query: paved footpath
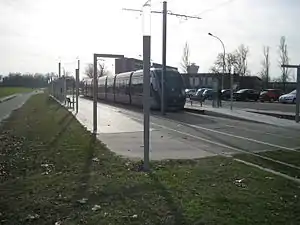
6, 107
123, 134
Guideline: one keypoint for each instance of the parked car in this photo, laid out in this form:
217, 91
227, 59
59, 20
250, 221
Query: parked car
198, 95
190, 92
246, 95
225, 94
270, 95
208, 94
288, 98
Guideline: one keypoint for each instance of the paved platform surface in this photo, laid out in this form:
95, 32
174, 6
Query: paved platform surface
183, 135
244, 114
7, 106
124, 134
272, 106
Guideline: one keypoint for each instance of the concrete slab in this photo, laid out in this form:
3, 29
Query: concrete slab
162, 146
124, 135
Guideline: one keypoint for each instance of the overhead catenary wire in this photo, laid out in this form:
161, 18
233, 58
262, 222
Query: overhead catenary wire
168, 12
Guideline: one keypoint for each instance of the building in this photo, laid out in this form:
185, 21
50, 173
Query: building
208, 80
131, 64
199, 80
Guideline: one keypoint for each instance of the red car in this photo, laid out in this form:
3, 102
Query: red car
270, 95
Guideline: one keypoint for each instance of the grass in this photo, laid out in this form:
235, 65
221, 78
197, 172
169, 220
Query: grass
6, 91
289, 157
49, 162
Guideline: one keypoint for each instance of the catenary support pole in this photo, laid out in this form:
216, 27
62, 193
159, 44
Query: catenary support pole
146, 100
95, 88
298, 95
77, 89
164, 57
231, 87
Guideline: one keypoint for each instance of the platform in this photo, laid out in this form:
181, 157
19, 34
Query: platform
124, 135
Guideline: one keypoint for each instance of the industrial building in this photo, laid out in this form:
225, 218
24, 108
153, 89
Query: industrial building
131, 64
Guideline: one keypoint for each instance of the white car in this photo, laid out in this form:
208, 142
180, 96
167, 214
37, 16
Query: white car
288, 98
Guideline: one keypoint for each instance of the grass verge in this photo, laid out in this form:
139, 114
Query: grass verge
52, 170
6, 91
289, 157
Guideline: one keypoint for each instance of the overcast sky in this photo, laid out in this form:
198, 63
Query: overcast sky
34, 34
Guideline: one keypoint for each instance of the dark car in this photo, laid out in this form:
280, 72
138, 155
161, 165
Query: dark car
208, 94
270, 95
226, 94
246, 95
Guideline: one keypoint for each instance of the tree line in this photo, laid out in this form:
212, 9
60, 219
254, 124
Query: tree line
238, 59
36, 80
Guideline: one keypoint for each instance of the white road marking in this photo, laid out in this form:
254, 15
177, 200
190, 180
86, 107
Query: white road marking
222, 145
242, 128
244, 138
257, 131
269, 170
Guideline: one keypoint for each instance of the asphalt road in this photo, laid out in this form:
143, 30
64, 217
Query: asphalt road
8, 106
275, 106
215, 135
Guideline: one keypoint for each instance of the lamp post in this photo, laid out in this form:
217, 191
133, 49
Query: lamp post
210, 34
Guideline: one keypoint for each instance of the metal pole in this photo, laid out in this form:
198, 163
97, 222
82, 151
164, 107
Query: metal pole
223, 66
77, 88
298, 95
164, 57
231, 88
73, 94
95, 79
146, 96
59, 69
65, 89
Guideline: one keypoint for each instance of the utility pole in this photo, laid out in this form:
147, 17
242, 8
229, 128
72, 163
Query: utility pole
164, 43
77, 85
164, 57
146, 81
297, 89
95, 90
231, 87
77, 88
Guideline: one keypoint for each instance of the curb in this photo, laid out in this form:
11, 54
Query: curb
7, 98
278, 115
217, 114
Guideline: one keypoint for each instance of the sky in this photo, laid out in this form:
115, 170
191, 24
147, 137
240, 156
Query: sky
36, 34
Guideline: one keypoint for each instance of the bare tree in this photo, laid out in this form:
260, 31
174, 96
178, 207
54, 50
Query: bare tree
89, 70
242, 54
185, 60
265, 76
230, 60
101, 70
283, 60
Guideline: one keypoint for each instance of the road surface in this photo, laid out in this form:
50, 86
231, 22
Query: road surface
8, 106
185, 134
